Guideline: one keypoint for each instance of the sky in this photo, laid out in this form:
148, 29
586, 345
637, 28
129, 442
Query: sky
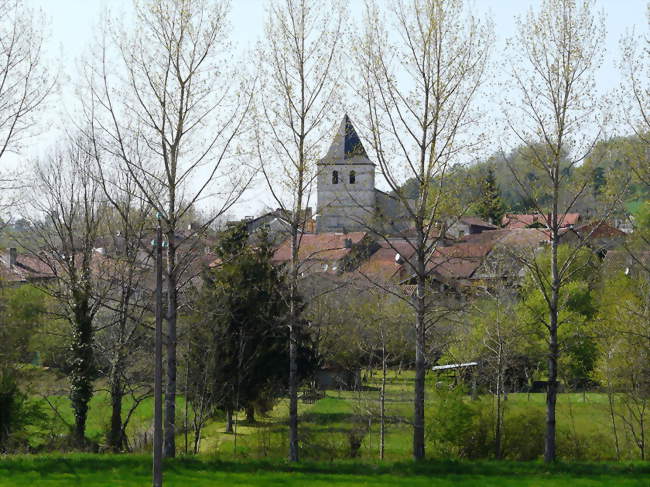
72, 23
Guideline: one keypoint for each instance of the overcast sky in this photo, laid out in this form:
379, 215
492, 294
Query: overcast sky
71, 24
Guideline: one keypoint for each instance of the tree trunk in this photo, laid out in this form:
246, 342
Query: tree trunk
115, 434
81, 374
382, 404
197, 439
293, 396
293, 336
498, 430
250, 415
420, 371
170, 390
610, 400
228, 421
553, 348
642, 432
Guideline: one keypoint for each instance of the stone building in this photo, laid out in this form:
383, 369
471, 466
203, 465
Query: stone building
347, 200
345, 184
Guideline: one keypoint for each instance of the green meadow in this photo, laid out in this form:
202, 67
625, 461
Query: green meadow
339, 441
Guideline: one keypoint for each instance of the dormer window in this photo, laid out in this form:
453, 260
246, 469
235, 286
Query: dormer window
335, 177
353, 177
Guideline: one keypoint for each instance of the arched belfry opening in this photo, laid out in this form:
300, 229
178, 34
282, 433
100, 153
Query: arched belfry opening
335, 177
353, 177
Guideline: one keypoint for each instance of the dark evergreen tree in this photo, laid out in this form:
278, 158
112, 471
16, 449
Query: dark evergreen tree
239, 348
490, 207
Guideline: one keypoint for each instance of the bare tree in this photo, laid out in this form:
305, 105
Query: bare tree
68, 212
24, 78
418, 86
634, 103
635, 94
161, 103
551, 108
497, 336
300, 63
122, 339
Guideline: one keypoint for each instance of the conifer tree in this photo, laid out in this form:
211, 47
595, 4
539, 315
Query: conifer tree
491, 207
239, 347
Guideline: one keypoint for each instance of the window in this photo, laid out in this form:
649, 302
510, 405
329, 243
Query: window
335, 177
353, 177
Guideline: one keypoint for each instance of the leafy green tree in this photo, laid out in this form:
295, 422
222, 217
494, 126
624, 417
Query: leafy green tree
17, 414
576, 309
239, 348
623, 365
21, 312
641, 234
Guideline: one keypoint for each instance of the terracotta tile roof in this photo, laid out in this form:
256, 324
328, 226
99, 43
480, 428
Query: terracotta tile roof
459, 261
524, 237
383, 265
409, 289
512, 220
599, 230
465, 249
26, 268
326, 247
454, 267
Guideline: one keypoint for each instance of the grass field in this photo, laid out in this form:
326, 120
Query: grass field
584, 425
134, 470
255, 455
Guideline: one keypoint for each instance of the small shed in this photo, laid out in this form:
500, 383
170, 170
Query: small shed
459, 373
337, 377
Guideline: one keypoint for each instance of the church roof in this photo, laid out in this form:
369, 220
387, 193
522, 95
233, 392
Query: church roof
346, 145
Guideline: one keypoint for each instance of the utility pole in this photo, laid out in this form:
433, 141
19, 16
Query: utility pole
157, 413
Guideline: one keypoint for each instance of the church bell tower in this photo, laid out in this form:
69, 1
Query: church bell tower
345, 184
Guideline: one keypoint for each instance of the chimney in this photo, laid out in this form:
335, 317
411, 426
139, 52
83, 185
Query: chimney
13, 256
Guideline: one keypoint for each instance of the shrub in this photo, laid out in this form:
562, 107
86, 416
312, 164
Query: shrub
458, 428
16, 414
523, 434
574, 445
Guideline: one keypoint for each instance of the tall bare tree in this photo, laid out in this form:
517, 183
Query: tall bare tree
67, 215
418, 88
635, 99
121, 337
162, 103
553, 113
634, 103
300, 62
24, 78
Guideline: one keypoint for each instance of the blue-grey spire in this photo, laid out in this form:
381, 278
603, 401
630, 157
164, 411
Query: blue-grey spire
346, 145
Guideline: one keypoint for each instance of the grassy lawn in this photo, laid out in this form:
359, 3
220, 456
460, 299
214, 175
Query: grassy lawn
255, 455
328, 427
134, 470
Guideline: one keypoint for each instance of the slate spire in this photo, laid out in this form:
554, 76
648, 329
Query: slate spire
346, 144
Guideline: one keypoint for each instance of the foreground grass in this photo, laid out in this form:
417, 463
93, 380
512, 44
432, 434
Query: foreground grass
134, 470
328, 426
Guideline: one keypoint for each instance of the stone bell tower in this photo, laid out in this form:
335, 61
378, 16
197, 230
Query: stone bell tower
345, 184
